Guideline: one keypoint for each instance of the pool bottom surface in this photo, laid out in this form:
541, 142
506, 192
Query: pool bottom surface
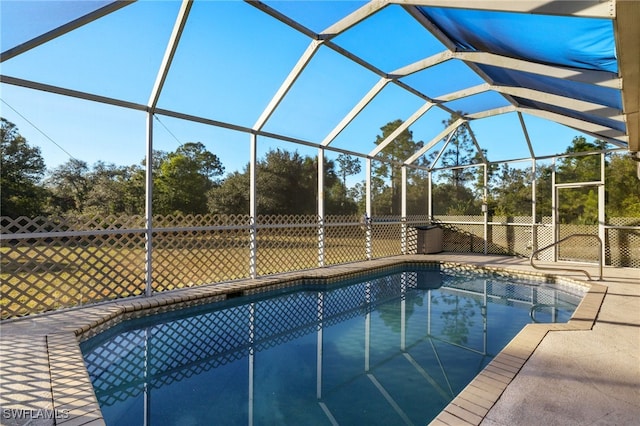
390, 349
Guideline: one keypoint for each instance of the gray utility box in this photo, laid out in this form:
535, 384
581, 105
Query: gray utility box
429, 239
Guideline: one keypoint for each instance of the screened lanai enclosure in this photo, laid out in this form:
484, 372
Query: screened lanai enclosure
156, 145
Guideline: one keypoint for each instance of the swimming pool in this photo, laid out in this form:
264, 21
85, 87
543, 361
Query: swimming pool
391, 348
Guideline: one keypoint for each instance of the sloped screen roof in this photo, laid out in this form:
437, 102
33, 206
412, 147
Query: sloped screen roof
560, 61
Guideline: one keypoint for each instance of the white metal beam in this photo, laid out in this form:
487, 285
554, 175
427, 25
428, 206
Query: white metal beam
401, 128
434, 141
490, 112
526, 134
422, 64
561, 101
71, 93
288, 83
585, 126
475, 142
64, 29
430, 26
612, 141
627, 34
377, 88
253, 207
353, 18
469, 91
172, 45
446, 144
583, 8
599, 78
148, 208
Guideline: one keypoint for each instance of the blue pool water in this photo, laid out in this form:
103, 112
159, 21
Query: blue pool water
388, 349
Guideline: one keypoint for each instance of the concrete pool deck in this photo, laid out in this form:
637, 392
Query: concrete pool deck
584, 372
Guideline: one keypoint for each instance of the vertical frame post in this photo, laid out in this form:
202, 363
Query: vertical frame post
321, 212
403, 219
601, 209
253, 236
485, 209
554, 210
430, 196
148, 209
534, 202
172, 45
367, 214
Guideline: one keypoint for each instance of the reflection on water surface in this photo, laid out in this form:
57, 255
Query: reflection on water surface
390, 349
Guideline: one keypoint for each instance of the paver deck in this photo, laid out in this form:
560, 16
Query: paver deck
584, 372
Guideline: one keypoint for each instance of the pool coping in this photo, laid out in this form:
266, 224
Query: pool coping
73, 399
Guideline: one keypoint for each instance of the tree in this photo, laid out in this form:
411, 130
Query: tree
21, 171
115, 189
232, 196
69, 186
579, 205
622, 187
183, 178
460, 187
387, 199
347, 166
584, 168
544, 191
459, 152
510, 193
286, 184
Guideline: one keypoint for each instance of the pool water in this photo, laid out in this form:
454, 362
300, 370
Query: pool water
387, 349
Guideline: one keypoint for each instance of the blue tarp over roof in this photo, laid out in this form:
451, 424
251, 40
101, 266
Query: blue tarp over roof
578, 45
557, 86
558, 40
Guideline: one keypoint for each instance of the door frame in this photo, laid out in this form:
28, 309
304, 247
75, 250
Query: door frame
556, 187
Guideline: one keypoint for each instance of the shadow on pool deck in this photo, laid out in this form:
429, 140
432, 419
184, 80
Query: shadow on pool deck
583, 372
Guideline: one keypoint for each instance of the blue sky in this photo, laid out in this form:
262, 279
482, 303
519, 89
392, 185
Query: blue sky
231, 60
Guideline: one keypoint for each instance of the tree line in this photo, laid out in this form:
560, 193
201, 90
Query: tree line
191, 180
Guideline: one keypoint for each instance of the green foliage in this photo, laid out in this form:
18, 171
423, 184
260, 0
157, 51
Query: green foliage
510, 192
347, 166
459, 190
232, 196
69, 185
21, 170
286, 184
116, 189
183, 178
417, 194
188, 181
579, 206
584, 168
622, 189
387, 181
